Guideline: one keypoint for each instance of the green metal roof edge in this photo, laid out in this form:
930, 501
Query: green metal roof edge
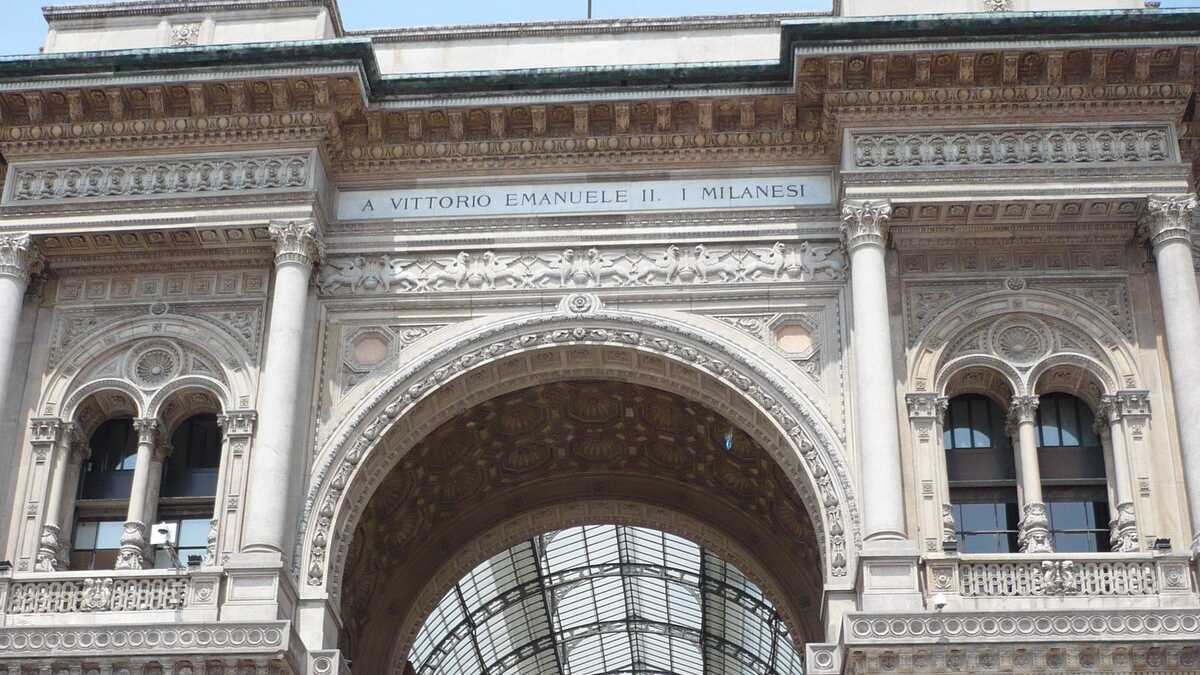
993, 25
795, 34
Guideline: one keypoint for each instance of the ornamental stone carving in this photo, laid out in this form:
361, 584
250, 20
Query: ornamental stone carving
1169, 218
202, 176
864, 223
1034, 529
134, 547
296, 242
1023, 409
677, 264
154, 363
1012, 147
1020, 342
19, 258
185, 34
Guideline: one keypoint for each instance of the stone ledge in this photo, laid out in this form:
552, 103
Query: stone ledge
1021, 626
266, 637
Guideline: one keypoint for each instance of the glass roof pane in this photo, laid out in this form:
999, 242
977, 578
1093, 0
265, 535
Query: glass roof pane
605, 600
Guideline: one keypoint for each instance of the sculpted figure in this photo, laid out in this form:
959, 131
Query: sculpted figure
344, 273
826, 260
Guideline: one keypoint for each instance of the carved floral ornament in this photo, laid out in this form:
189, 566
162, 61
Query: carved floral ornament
811, 458
296, 241
1169, 218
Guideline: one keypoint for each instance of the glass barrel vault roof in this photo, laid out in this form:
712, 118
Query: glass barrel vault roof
605, 600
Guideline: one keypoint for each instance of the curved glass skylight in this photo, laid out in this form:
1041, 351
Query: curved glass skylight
605, 600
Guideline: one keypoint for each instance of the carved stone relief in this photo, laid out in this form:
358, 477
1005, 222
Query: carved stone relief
1013, 147
677, 264
175, 177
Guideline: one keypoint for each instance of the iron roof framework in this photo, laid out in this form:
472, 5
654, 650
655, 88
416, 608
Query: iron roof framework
605, 600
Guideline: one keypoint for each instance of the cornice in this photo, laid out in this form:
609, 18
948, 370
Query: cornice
585, 27
170, 7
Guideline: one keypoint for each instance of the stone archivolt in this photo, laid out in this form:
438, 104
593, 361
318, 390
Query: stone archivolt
544, 444
677, 264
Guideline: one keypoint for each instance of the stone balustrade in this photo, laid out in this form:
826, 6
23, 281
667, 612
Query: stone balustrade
133, 594
972, 581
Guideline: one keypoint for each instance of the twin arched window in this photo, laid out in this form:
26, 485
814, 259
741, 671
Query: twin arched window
186, 492
982, 476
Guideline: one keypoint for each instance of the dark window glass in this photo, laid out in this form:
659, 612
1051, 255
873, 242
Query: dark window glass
1064, 421
109, 472
1078, 519
191, 470
985, 519
977, 449
95, 544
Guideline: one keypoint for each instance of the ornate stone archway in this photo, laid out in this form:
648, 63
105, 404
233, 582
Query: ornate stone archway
564, 444
698, 358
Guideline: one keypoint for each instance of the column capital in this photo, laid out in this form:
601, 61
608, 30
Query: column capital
19, 257
926, 405
296, 241
865, 222
1023, 409
1168, 218
237, 423
147, 429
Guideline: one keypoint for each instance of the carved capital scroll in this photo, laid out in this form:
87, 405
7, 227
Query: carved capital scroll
1168, 218
19, 257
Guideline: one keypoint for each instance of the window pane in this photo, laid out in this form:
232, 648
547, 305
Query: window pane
85, 535
984, 543
1070, 516
105, 560
980, 422
1074, 542
960, 422
978, 517
1068, 421
193, 532
108, 535
1048, 428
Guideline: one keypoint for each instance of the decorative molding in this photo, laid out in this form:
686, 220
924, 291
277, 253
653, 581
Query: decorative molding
1011, 147
926, 405
676, 264
50, 642
232, 285
864, 223
296, 242
211, 175
809, 457
1023, 409
1023, 626
1116, 656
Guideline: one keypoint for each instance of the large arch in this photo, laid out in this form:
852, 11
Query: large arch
696, 357
562, 444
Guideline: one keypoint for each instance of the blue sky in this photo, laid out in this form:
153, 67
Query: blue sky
22, 30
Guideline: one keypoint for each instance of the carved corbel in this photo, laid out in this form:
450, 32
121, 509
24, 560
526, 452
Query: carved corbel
237, 97
537, 119
197, 99
36, 104
158, 101
582, 123
621, 117
415, 122
281, 96
498, 122
455, 118
662, 116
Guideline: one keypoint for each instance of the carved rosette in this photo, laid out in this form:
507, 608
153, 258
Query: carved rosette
1034, 529
296, 242
1168, 218
134, 546
19, 258
864, 223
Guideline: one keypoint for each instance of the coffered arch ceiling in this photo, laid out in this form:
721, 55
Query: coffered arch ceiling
564, 443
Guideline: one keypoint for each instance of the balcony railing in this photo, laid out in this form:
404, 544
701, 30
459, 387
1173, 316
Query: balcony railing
1061, 575
125, 591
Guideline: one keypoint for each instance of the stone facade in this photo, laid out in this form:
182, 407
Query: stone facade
410, 274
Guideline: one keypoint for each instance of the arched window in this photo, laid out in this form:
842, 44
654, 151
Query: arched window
1074, 484
189, 485
982, 475
103, 498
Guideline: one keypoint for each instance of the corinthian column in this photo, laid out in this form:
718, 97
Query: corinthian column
18, 259
1123, 525
297, 249
50, 547
1168, 225
1034, 527
864, 227
135, 548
